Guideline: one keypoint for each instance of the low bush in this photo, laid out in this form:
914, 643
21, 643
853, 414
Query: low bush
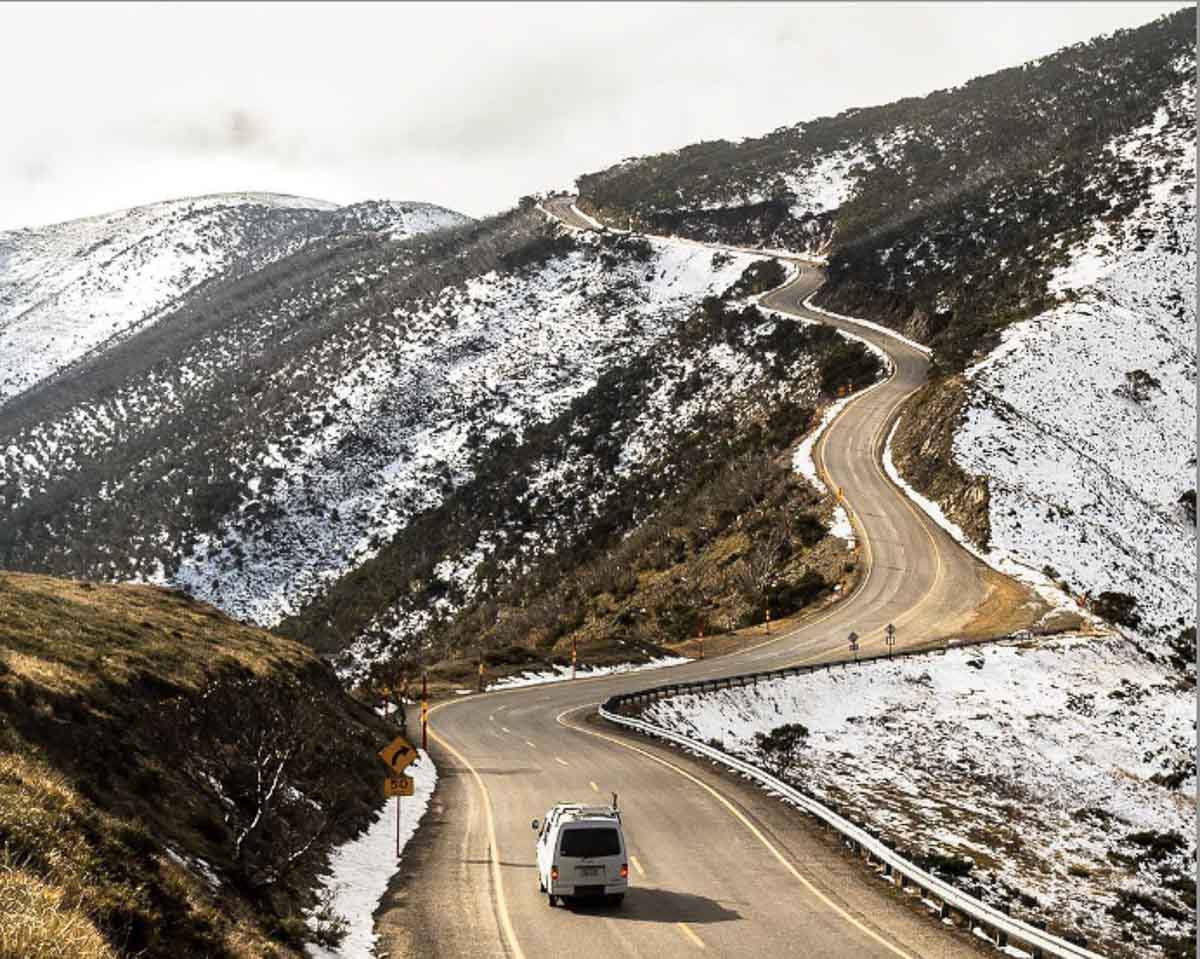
1119, 608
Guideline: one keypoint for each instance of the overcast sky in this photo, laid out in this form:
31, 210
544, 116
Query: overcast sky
109, 106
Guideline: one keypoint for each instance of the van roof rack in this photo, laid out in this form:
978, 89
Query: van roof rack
580, 810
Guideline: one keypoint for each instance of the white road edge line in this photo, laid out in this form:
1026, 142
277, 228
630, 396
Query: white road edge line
738, 815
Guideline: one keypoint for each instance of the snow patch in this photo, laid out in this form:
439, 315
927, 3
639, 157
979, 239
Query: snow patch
361, 869
560, 673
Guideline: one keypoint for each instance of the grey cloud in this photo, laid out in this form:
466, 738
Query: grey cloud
464, 105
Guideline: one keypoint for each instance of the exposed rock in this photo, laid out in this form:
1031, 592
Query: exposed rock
922, 451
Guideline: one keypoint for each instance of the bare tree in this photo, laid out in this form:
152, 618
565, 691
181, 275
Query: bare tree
757, 573
253, 745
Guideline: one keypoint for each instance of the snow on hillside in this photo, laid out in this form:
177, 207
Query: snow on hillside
490, 357
1047, 764
826, 181
692, 384
821, 182
399, 220
1084, 419
76, 287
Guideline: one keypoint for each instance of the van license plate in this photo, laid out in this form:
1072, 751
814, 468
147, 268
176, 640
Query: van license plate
587, 870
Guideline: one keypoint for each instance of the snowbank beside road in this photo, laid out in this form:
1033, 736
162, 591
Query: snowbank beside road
867, 324
560, 673
1061, 769
361, 869
1002, 560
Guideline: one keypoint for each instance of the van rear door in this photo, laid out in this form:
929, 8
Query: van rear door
590, 855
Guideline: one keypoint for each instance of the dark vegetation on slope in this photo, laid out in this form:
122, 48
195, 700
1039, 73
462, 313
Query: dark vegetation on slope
951, 234
251, 235
714, 529
246, 353
135, 724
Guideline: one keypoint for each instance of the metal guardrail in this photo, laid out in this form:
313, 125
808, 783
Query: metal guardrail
998, 925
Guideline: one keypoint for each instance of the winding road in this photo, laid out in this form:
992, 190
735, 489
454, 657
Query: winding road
716, 866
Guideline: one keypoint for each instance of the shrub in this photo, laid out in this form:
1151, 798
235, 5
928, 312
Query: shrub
781, 747
1187, 500
850, 366
808, 528
948, 867
327, 925
1117, 608
1138, 386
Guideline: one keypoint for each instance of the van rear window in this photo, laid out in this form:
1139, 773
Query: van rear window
590, 842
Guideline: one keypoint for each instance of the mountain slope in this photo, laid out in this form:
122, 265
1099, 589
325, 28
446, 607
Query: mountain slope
1081, 425
74, 288
491, 391
134, 725
947, 214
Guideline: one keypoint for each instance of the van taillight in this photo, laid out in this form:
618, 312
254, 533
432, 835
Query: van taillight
554, 872
624, 870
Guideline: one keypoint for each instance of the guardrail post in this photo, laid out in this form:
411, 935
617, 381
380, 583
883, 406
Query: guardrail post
1001, 938
1038, 924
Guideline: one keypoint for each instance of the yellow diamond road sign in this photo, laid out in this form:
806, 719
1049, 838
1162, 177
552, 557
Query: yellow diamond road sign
399, 754
397, 786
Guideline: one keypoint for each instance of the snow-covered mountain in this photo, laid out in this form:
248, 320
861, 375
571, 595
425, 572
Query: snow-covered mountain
1068, 452
287, 407
327, 438
940, 215
386, 438
73, 289
1084, 419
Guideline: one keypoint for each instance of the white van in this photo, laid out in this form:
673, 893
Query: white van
581, 853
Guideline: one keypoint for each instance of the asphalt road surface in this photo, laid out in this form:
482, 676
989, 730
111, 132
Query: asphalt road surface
716, 866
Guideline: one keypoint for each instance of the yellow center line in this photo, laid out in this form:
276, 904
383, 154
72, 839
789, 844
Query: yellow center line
737, 814
637, 865
696, 940
530, 745
595, 788
506, 729
561, 762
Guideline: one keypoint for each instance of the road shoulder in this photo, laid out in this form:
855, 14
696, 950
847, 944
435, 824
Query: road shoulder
821, 855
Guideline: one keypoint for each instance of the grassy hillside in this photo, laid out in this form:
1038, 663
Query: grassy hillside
947, 214
134, 726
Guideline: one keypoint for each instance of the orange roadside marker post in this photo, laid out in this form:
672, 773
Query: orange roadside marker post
425, 711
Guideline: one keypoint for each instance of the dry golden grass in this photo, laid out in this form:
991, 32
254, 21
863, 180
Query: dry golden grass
89, 803
40, 921
69, 636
